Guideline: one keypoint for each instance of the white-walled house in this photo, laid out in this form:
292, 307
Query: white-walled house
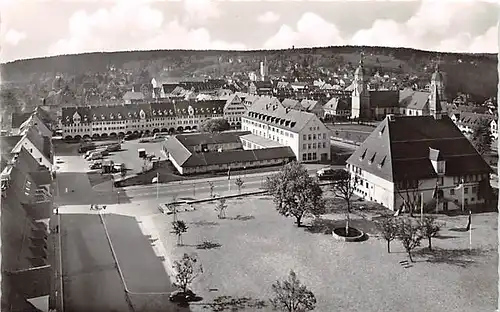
234, 110
422, 156
303, 132
467, 121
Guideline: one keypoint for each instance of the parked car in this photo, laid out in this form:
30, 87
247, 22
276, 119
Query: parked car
144, 140
95, 165
132, 136
114, 147
332, 174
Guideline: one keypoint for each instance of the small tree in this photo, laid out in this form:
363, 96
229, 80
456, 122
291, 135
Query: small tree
292, 296
389, 230
173, 206
409, 191
429, 228
214, 125
409, 235
179, 228
344, 189
482, 137
295, 193
187, 269
211, 184
239, 183
220, 207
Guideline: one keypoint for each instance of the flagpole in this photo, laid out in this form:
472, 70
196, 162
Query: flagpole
157, 185
470, 231
463, 195
422, 207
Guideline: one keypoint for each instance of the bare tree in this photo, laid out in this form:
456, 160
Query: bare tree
239, 183
429, 228
220, 207
344, 189
409, 235
211, 184
187, 269
295, 193
409, 191
292, 296
389, 229
179, 228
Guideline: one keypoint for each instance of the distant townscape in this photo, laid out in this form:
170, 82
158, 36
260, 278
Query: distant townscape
140, 160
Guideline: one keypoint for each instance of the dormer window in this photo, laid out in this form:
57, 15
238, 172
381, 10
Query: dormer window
382, 162
119, 116
102, 117
372, 159
381, 131
111, 116
363, 155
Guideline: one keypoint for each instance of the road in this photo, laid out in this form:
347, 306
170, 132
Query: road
91, 281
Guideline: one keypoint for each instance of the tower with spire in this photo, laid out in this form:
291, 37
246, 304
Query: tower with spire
360, 94
437, 82
263, 69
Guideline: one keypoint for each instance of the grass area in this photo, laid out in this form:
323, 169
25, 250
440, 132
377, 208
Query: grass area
96, 178
255, 246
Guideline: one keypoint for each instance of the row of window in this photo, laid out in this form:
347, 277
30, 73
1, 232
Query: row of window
77, 121
470, 178
466, 190
309, 156
270, 128
313, 145
309, 137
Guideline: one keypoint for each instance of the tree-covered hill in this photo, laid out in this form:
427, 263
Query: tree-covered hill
475, 74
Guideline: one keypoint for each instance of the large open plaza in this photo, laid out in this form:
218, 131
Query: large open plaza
254, 246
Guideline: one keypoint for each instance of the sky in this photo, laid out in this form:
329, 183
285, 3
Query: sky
37, 28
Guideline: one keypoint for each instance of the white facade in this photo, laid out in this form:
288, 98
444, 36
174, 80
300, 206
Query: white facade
234, 110
134, 123
376, 189
310, 144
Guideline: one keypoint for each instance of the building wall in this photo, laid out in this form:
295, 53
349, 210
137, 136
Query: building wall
376, 189
234, 111
233, 165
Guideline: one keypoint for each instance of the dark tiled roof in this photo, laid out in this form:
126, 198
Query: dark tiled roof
384, 99
7, 143
402, 147
291, 103
169, 87
19, 118
273, 113
26, 162
338, 104
263, 84
414, 99
471, 119
32, 283
131, 95
228, 157
189, 140
208, 107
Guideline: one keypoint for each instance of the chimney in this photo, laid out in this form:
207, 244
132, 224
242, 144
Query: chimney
391, 117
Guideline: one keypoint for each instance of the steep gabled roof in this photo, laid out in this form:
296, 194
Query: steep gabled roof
18, 119
410, 99
291, 103
131, 95
406, 141
338, 103
384, 99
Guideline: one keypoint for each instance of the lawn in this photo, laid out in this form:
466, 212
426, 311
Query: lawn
255, 246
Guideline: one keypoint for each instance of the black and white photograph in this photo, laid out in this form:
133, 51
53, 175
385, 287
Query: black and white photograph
249, 156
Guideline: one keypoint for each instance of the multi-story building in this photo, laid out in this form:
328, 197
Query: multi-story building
467, 121
303, 132
234, 110
119, 120
413, 158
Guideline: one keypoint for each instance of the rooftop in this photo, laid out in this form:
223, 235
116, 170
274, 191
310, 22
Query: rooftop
261, 141
399, 149
195, 139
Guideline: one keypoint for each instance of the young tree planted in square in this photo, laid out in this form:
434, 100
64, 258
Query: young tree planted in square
187, 269
295, 193
344, 189
429, 228
239, 183
291, 295
409, 235
221, 207
179, 228
388, 227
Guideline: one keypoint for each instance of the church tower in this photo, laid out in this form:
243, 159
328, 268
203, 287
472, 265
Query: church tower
436, 110
437, 82
360, 99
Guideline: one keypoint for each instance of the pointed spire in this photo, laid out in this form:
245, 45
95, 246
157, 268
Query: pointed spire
361, 58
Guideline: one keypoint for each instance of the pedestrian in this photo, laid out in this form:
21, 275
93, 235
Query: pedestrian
469, 221
57, 228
